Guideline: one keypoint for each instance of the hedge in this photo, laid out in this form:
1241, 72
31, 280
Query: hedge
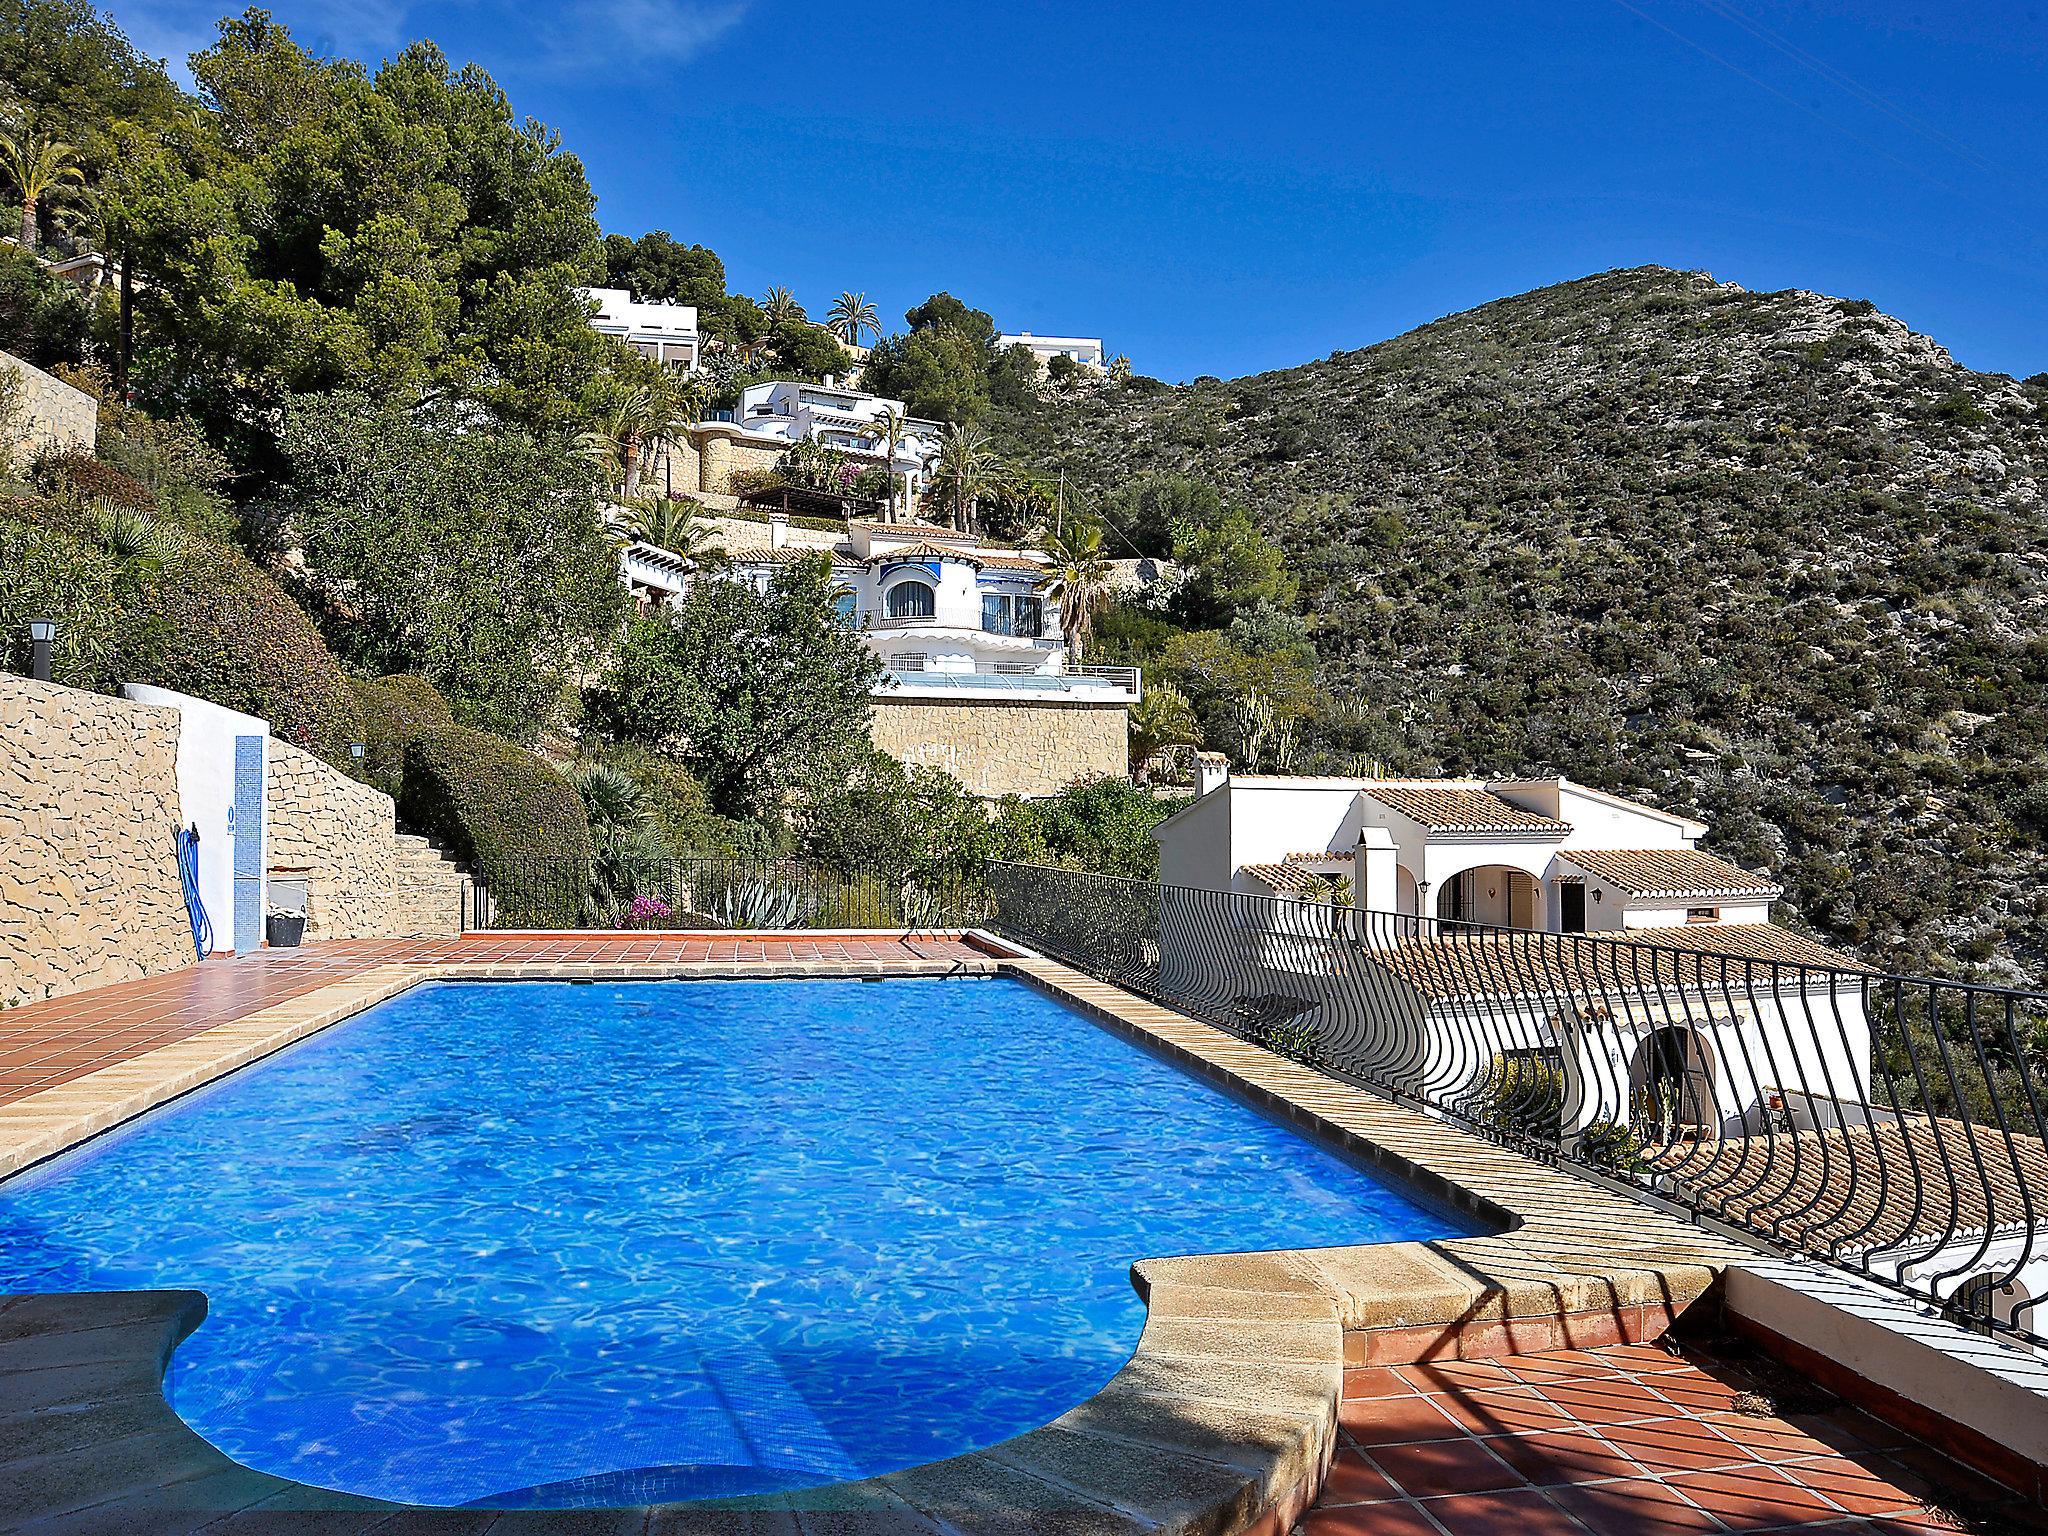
213, 625
46, 573
92, 479
397, 710
516, 822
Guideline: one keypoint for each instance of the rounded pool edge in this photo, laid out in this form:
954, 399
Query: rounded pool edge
1217, 1420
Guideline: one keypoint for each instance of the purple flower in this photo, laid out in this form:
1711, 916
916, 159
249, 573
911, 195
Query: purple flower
645, 912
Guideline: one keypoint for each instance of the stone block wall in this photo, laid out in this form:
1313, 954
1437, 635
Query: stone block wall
721, 449
1005, 747
50, 414
341, 835
89, 815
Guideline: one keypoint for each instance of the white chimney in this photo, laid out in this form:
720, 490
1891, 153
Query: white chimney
1212, 771
778, 529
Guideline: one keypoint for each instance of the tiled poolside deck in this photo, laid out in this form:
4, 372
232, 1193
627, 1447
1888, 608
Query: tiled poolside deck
1616, 1442
45, 1044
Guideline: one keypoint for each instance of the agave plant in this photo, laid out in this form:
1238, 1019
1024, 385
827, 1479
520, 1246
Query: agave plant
762, 903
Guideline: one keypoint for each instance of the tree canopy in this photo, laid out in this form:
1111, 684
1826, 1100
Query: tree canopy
471, 556
750, 689
319, 228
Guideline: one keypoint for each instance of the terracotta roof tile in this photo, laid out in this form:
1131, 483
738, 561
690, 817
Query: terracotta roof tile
1288, 879
909, 552
1629, 967
1669, 872
1868, 1186
763, 554
1453, 808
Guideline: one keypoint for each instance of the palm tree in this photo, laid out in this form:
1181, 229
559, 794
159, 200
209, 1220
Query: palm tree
42, 170
885, 435
1078, 581
779, 304
967, 470
640, 415
852, 317
671, 524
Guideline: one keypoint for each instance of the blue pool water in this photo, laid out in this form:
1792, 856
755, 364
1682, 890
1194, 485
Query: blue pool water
557, 1244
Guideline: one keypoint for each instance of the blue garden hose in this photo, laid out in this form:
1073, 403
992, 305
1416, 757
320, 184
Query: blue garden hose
188, 877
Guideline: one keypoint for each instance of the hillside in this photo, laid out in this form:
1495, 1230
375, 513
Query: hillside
1772, 558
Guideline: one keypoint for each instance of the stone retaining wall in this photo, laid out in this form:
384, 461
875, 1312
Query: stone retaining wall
341, 834
89, 814
703, 459
49, 415
1004, 747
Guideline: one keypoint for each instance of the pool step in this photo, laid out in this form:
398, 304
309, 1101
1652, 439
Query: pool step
429, 890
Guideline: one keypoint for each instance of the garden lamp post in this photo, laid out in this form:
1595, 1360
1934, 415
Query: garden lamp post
42, 633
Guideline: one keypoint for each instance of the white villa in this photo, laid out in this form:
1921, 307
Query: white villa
1544, 854
1085, 350
789, 411
662, 333
979, 680
1436, 922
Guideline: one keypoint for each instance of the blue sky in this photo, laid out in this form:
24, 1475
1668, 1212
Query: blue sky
1219, 189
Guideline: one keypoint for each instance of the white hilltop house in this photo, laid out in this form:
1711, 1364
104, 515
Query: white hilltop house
979, 678
788, 411
1085, 350
662, 333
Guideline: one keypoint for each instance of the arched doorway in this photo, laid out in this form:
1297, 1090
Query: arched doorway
1671, 1082
1491, 895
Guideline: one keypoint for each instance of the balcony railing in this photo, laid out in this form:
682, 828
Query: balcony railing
1892, 1125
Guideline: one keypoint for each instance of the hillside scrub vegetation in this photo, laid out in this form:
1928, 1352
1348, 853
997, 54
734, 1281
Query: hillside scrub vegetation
1768, 558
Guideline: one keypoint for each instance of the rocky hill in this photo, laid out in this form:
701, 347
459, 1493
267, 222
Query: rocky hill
1772, 558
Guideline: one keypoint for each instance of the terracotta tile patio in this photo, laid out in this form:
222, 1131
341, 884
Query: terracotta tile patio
1632, 1441
48, 1043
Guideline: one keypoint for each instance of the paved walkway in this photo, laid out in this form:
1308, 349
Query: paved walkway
43, 1045
1632, 1442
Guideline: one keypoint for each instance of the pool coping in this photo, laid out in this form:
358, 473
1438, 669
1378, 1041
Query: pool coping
1222, 1422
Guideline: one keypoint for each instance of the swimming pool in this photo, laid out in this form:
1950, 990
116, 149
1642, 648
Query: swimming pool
557, 1244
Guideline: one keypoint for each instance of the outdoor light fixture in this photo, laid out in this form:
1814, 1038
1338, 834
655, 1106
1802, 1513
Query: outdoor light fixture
355, 750
41, 634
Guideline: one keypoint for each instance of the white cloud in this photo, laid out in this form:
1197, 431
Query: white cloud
576, 37
619, 34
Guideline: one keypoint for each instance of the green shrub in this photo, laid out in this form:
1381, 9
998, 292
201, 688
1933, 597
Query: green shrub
517, 823
213, 625
47, 573
1612, 1147
679, 805
1524, 1097
396, 711
82, 476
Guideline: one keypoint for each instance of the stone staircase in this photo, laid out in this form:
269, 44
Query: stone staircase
430, 890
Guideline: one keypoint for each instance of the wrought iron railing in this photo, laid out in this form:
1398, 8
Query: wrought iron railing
1890, 1124
715, 891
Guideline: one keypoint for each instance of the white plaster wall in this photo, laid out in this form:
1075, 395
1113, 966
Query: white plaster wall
1647, 913
206, 794
1269, 822
1596, 820
1194, 844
